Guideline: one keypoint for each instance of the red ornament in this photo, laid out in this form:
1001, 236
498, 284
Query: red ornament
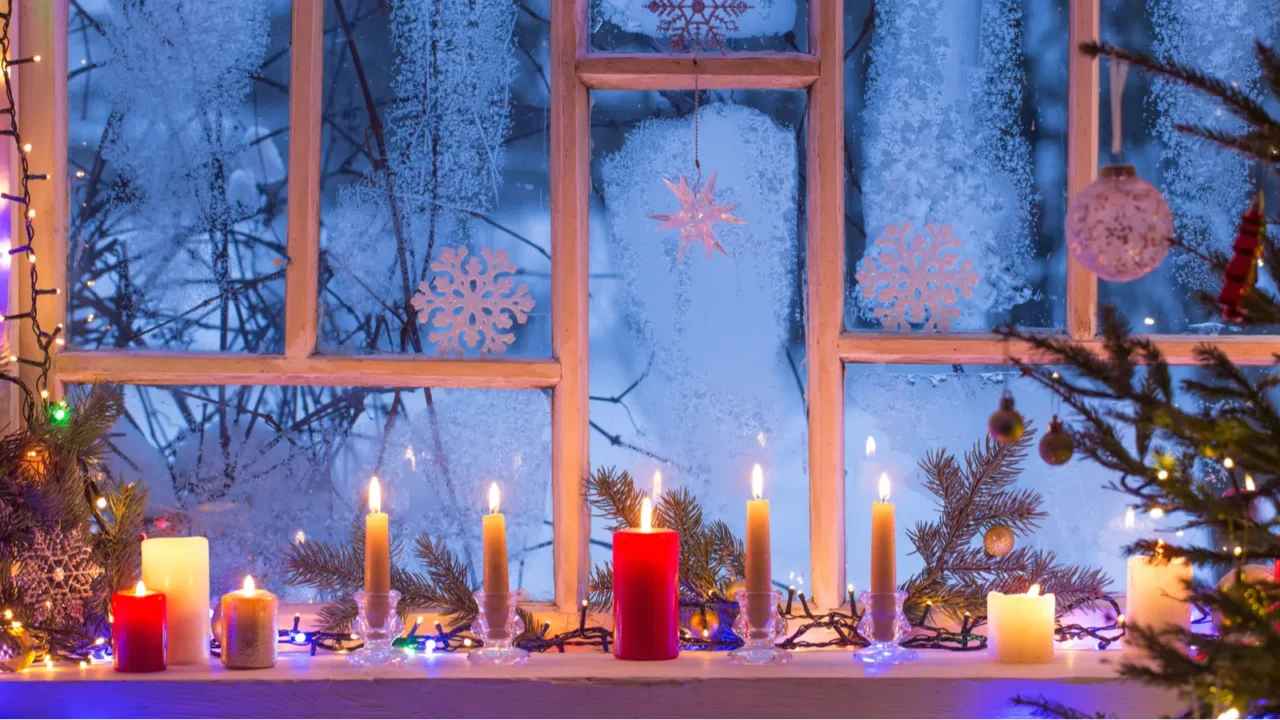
1242, 270
139, 631
646, 611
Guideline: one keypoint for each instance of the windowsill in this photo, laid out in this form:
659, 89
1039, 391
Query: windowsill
588, 683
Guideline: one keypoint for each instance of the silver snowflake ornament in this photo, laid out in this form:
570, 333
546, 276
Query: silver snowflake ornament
697, 213
472, 302
58, 570
915, 278
697, 24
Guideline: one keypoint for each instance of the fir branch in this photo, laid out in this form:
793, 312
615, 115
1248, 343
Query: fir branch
613, 495
1043, 707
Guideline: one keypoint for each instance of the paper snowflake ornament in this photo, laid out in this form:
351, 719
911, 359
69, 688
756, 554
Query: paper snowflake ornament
916, 277
472, 302
697, 24
58, 571
698, 212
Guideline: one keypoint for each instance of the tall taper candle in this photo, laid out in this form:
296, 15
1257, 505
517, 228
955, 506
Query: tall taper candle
179, 568
496, 582
883, 564
758, 559
377, 555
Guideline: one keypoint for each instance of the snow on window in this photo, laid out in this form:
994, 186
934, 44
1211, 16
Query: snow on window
721, 25
178, 126
696, 362
1207, 188
251, 467
435, 146
955, 154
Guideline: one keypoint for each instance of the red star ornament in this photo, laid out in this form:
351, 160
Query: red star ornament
698, 212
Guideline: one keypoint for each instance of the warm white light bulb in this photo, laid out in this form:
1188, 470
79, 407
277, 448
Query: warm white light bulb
757, 481
884, 487
494, 497
1228, 463
1129, 519
646, 515
1156, 513
375, 495
1230, 714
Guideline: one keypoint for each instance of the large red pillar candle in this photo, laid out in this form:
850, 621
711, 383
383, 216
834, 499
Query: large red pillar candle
138, 630
646, 612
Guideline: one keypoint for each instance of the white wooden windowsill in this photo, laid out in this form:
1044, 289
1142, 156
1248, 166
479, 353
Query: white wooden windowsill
823, 683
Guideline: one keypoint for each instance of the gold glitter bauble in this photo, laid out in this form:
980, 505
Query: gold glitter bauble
18, 656
1006, 424
1056, 447
998, 540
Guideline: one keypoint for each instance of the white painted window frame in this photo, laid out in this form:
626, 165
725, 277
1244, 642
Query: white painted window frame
574, 72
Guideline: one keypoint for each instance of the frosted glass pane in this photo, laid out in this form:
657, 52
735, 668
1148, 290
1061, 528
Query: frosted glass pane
178, 119
252, 467
955, 158
695, 362
435, 218
661, 26
1207, 188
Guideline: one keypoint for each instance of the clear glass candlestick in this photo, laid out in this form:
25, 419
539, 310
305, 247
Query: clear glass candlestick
497, 626
759, 625
885, 624
378, 626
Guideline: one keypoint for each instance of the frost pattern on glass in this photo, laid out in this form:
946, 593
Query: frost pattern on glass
177, 113
943, 143
447, 149
1206, 188
705, 353
255, 468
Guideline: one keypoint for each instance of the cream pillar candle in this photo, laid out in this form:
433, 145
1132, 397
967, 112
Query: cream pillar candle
758, 555
377, 555
496, 582
249, 618
883, 565
1020, 627
179, 568
1156, 594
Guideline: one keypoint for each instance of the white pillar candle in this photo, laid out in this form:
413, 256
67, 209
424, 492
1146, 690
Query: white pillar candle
1156, 595
179, 568
1020, 627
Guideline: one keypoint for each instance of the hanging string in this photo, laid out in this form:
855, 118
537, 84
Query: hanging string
697, 163
1118, 72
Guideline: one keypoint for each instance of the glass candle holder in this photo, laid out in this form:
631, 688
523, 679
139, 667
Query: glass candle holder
885, 624
497, 625
759, 625
378, 626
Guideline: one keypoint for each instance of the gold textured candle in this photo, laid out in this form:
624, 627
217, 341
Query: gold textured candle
377, 555
249, 618
883, 565
496, 582
758, 559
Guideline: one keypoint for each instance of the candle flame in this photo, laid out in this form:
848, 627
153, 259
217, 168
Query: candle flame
1129, 517
884, 487
494, 496
375, 495
140, 589
757, 481
249, 586
646, 515
1249, 485
657, 485
1034, 590
1230, 714
871, 447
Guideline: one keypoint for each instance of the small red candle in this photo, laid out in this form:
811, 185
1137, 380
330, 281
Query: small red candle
646, 613
138, 630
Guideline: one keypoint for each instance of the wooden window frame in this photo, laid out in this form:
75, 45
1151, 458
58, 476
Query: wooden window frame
575, 71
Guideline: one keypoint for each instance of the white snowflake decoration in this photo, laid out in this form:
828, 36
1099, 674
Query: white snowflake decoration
472, 303
916, 277
58, 568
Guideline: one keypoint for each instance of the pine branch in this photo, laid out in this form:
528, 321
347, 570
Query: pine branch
1043, 707
613, 495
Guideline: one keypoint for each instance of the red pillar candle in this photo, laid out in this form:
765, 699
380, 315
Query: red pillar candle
138, 630
646, 613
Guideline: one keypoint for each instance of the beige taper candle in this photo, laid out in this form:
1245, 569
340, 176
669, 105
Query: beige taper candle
377, 556
883, 564
758, 557
496, 582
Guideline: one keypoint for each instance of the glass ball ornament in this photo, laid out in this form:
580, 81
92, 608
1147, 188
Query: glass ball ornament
1056, 447
1253, 574
1119, 227
1006, 424
998, 540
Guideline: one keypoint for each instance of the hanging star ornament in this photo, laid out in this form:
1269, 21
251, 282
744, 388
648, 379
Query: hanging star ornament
698, 212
